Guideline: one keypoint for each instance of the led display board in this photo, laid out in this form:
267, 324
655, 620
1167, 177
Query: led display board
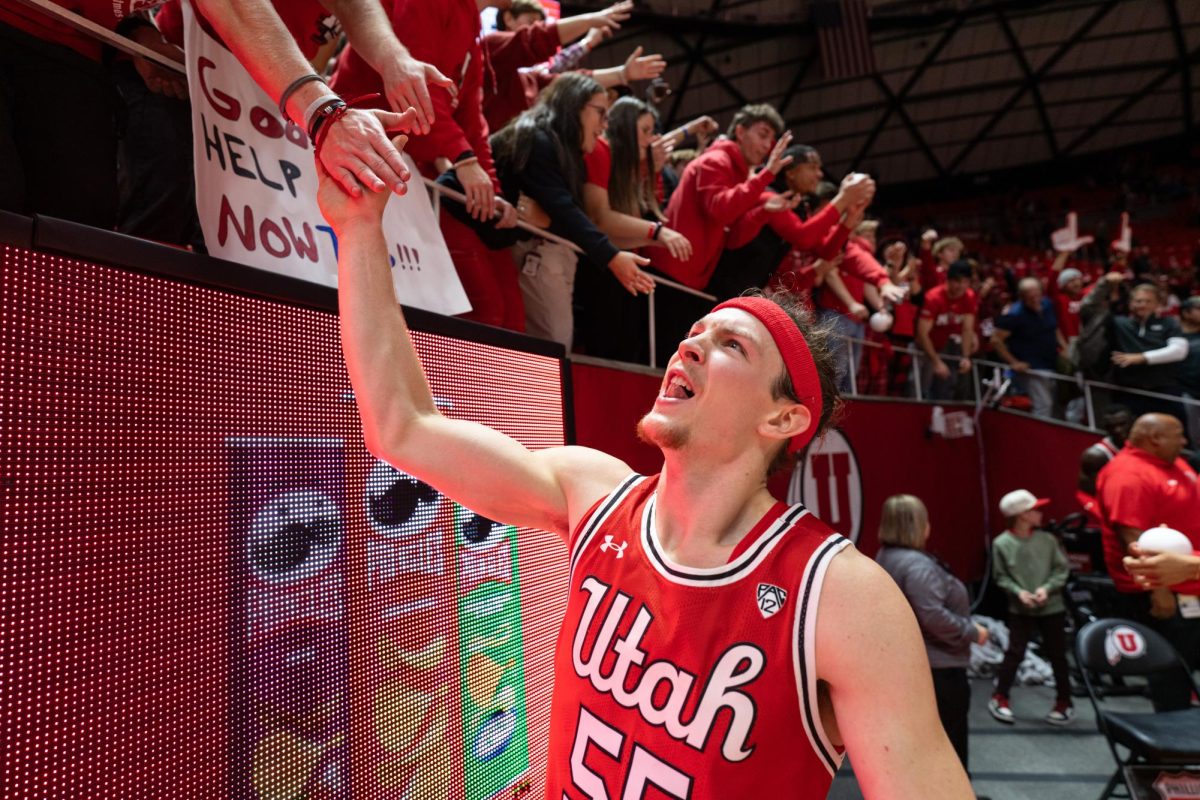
212, 590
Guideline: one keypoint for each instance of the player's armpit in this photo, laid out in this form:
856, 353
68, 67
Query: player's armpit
869, 650
496, 476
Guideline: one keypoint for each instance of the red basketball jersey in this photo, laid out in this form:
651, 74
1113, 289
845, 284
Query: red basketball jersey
680, 682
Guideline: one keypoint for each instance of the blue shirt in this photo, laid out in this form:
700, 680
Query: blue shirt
1032, 338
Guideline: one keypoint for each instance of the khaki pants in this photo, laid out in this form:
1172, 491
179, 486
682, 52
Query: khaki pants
546, 273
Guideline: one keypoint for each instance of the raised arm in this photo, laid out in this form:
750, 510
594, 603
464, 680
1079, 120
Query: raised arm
890, 727
356, 150
478, 467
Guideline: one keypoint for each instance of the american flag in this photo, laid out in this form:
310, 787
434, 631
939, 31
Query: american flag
843, 38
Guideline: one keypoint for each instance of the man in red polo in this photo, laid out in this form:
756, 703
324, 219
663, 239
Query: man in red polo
1148, 485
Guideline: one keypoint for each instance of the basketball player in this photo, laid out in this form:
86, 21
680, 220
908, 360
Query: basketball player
716, 643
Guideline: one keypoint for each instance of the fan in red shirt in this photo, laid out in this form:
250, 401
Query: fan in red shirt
1148, 485
946, 327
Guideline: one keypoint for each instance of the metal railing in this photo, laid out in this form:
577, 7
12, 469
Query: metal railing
998, 382
436, 190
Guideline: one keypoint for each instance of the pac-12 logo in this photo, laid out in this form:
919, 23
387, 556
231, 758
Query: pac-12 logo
829, 483
1123, 641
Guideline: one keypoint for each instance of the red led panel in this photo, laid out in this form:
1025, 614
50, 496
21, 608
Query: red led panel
211, 590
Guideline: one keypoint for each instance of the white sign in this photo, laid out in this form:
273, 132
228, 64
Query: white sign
256, 189
829, 483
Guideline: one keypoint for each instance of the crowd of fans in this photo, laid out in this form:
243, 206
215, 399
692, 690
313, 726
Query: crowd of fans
527, 129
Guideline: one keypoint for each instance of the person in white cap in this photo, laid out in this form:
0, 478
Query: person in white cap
1031, 568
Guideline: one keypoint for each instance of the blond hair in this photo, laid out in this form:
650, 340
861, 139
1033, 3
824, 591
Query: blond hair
903, 521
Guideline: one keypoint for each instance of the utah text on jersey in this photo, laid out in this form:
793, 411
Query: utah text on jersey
699, 682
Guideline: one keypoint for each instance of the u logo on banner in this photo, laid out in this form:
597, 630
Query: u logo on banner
829, 482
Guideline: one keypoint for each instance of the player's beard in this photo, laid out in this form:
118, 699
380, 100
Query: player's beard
660, 433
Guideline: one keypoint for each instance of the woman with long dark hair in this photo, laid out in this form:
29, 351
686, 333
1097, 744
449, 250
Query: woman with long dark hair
541, 154
620, 195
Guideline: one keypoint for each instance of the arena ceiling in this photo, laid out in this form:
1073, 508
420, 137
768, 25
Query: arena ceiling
959, 87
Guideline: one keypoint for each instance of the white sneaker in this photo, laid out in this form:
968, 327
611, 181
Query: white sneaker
1061, 714
998, 708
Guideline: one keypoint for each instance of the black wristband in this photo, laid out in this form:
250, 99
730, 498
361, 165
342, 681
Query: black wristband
291, 89
323, 112
658, 226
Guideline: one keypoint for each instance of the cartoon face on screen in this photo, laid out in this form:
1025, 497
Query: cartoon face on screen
398, 504
294, 536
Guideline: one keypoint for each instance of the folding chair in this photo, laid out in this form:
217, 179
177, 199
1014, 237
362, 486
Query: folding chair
1171, 739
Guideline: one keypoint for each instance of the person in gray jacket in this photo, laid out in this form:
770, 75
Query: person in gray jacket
940, 602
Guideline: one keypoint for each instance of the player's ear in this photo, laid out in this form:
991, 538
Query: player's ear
785, 421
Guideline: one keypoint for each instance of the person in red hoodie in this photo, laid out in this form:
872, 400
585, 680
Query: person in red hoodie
843, 301
801, 179
717, 190
524, 38
446, 34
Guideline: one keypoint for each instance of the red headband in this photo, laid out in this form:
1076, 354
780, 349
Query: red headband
796, 357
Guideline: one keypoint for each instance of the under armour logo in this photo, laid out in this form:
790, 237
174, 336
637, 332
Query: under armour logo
609, 545
770, 599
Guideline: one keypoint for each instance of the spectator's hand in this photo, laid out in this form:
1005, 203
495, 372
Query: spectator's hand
159, 79
660, 149
507, 214
341, 208
531, 211
1026, 598
610, 19
1114, 277
940, 369
894, 254
357, 152
626, 267
1152, 570
776, 161
643, 68
1162, 603
858, 311
1041, 596
928, 238
477, 186
676, 243
964, 365
891, 293
782, 202
854, 216
981, 634
703, 127
857, 190
1020, 366
1128, 359
595, 36
824, 267
404, 83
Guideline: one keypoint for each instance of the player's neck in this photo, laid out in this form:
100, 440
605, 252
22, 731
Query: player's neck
702, 512
1022, 530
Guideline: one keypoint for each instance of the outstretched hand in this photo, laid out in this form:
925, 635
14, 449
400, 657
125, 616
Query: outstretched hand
782, 202
626, 266
358, 153
777, 161
643, 68
405, 80
342, 209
